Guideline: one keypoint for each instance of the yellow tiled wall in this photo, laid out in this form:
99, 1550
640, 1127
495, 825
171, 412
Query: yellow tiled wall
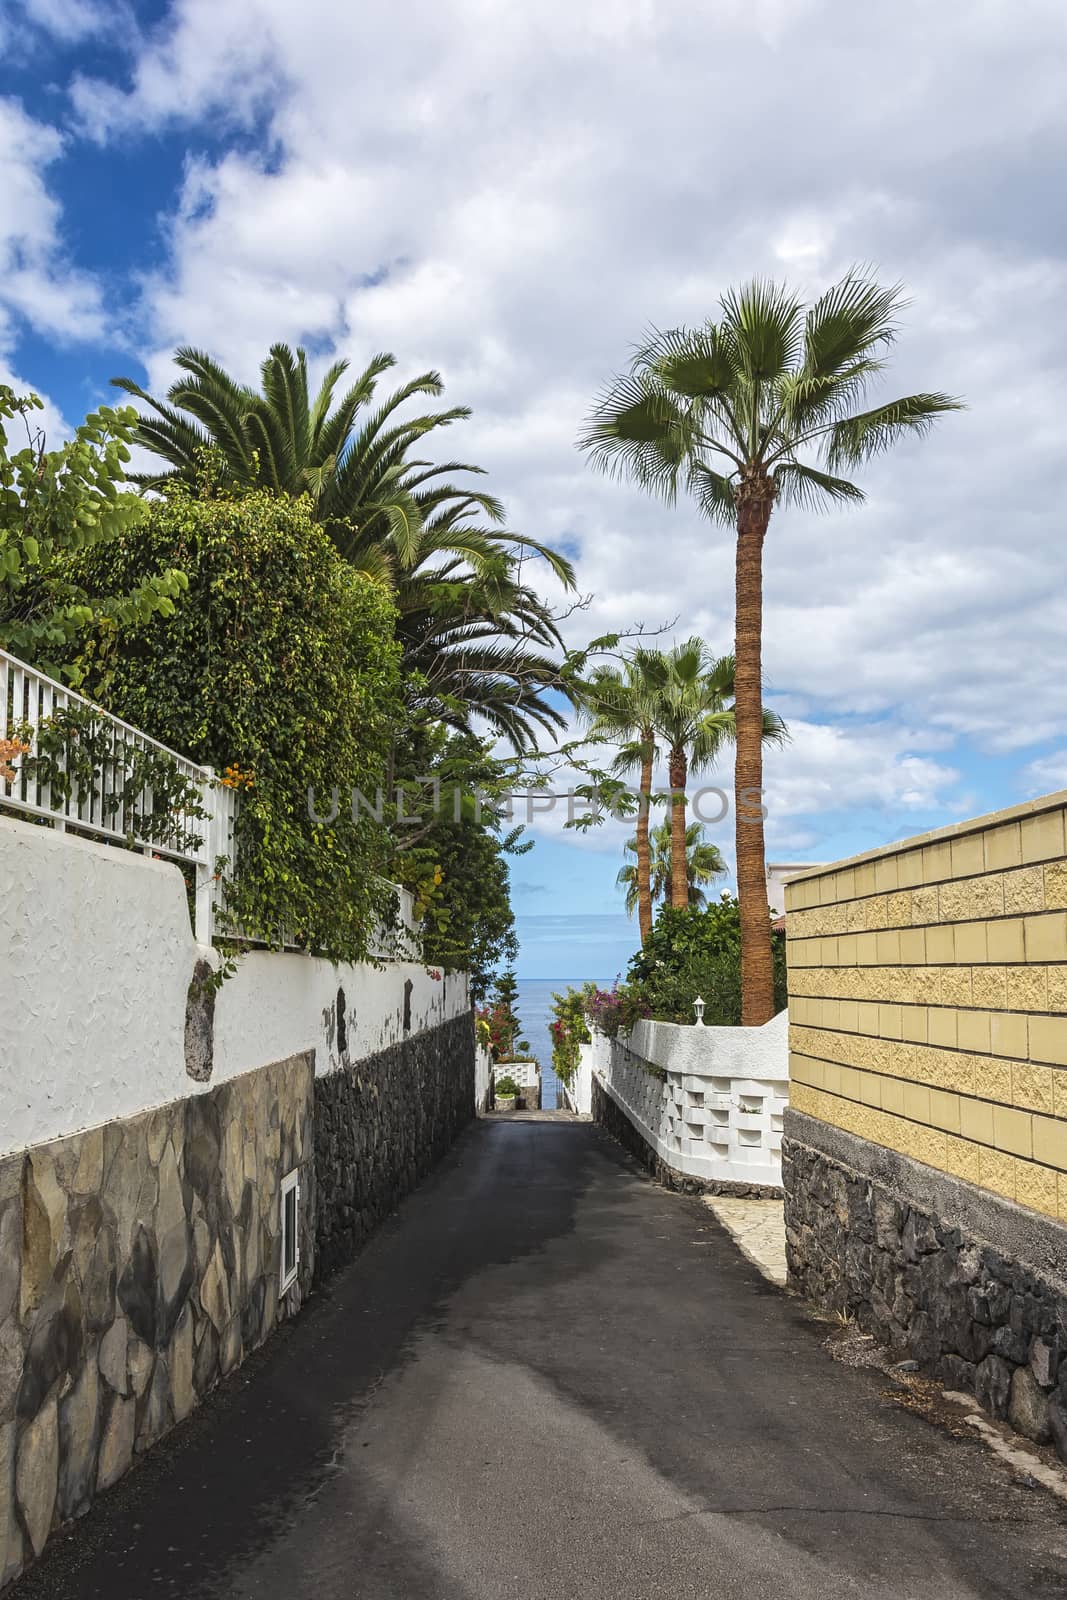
928, 1001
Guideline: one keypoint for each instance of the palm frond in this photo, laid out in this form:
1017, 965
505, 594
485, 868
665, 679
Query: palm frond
853, 318
332, 433
763, 326
320, 406
285, 389
638, 430
715, 493
697, 363
799, 485
856, 439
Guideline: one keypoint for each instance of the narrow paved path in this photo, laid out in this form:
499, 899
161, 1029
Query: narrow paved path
545, 1378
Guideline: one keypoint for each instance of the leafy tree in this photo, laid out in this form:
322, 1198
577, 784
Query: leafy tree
501, 1021
704, 862
474, 633
281, 670
53, 503
764, 406
697, 952
505, 1001
455, 855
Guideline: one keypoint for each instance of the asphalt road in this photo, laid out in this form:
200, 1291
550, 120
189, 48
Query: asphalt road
544, 1378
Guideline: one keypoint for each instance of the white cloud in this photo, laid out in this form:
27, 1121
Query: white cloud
36, 282
1046, 775
512, 195
74, 20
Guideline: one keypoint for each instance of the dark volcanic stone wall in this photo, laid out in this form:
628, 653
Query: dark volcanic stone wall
381, 1124
904, 1251
613, 1119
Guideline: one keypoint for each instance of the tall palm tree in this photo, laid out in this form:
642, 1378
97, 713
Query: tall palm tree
704, 863
692, 701
619, 706
474, 633
764, 406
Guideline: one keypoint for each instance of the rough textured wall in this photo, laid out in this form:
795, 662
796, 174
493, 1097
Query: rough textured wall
138, 1263
928, 1002
381, 1123
908, 1253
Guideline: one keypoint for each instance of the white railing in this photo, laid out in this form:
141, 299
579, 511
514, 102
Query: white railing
709, 1101
103, 808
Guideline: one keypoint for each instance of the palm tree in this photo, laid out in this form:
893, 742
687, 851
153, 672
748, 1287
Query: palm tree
759, 408
477, 639
473, 632
619, 706
693, 713
704, 863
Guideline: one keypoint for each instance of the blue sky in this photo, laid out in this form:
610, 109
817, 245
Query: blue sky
512, 197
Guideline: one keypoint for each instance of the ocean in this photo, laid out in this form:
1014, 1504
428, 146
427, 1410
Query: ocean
535, 1013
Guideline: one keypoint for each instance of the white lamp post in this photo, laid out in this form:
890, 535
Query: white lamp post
698, 1007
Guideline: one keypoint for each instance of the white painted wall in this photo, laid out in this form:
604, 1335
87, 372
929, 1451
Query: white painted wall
578, 1094
96, 955
717, 1115
279, 1004
483, 1073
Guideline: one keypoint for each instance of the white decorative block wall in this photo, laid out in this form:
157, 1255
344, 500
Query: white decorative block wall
709, 1101
525, 1073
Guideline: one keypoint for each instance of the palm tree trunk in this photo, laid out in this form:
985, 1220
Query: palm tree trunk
644, 872
679, 861
754, 502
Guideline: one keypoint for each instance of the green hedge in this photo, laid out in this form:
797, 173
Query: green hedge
279, 665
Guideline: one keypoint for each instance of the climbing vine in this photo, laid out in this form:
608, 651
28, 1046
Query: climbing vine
77, 756
568, 1032
280, 670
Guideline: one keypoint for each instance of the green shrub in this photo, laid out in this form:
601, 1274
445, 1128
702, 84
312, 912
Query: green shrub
568, 1031
279, 669
615, 1010
457, 863
53, 505
691, 953
505, 1087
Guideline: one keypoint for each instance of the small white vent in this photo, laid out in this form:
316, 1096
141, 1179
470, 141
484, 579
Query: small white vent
290, 1230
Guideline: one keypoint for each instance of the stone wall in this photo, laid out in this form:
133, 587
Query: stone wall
614, 1121
911, 1255
139, 1262
928, 1021
381, 1124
